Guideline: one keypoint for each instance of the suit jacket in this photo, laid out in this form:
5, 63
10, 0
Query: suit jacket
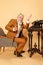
12, 23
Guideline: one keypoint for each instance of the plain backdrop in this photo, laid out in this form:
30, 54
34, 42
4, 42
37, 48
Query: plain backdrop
10, 9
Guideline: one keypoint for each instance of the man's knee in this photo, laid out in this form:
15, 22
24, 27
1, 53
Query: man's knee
24, 41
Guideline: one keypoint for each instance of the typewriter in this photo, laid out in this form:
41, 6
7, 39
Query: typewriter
37, 24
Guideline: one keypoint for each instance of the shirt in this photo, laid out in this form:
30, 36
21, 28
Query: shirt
19, 28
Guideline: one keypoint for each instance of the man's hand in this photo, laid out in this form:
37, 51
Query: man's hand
15, 28
29, 17
27, 21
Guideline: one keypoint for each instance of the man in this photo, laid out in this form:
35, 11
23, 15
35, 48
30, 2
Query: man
14, 27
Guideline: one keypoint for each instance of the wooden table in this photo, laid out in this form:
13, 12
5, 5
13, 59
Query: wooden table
35, 49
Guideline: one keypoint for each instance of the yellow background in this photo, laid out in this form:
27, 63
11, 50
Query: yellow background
11, 8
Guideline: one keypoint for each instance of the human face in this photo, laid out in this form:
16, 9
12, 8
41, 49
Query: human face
20, 17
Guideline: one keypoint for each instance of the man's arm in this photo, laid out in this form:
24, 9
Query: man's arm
26, 25
27, 22
10, 27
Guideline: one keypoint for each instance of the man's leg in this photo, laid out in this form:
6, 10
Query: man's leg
21, 42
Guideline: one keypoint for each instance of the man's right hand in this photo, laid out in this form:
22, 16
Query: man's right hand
15, 28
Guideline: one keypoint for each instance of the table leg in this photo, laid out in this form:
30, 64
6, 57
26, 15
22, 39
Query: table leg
42, 43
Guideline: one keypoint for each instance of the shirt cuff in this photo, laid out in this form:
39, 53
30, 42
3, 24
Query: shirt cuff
14, 29
30, 25
27, 21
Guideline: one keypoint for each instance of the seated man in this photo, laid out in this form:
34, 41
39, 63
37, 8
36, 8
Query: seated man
14, 27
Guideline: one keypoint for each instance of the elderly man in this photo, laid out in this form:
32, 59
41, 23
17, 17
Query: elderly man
14, 27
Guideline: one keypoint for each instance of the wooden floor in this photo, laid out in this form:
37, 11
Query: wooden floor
8, 58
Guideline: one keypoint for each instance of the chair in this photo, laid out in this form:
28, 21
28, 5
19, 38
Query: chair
6, 42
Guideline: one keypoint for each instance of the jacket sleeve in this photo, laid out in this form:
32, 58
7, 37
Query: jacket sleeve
26, 26
9, 26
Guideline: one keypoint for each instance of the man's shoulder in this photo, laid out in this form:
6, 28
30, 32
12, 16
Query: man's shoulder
13, 19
